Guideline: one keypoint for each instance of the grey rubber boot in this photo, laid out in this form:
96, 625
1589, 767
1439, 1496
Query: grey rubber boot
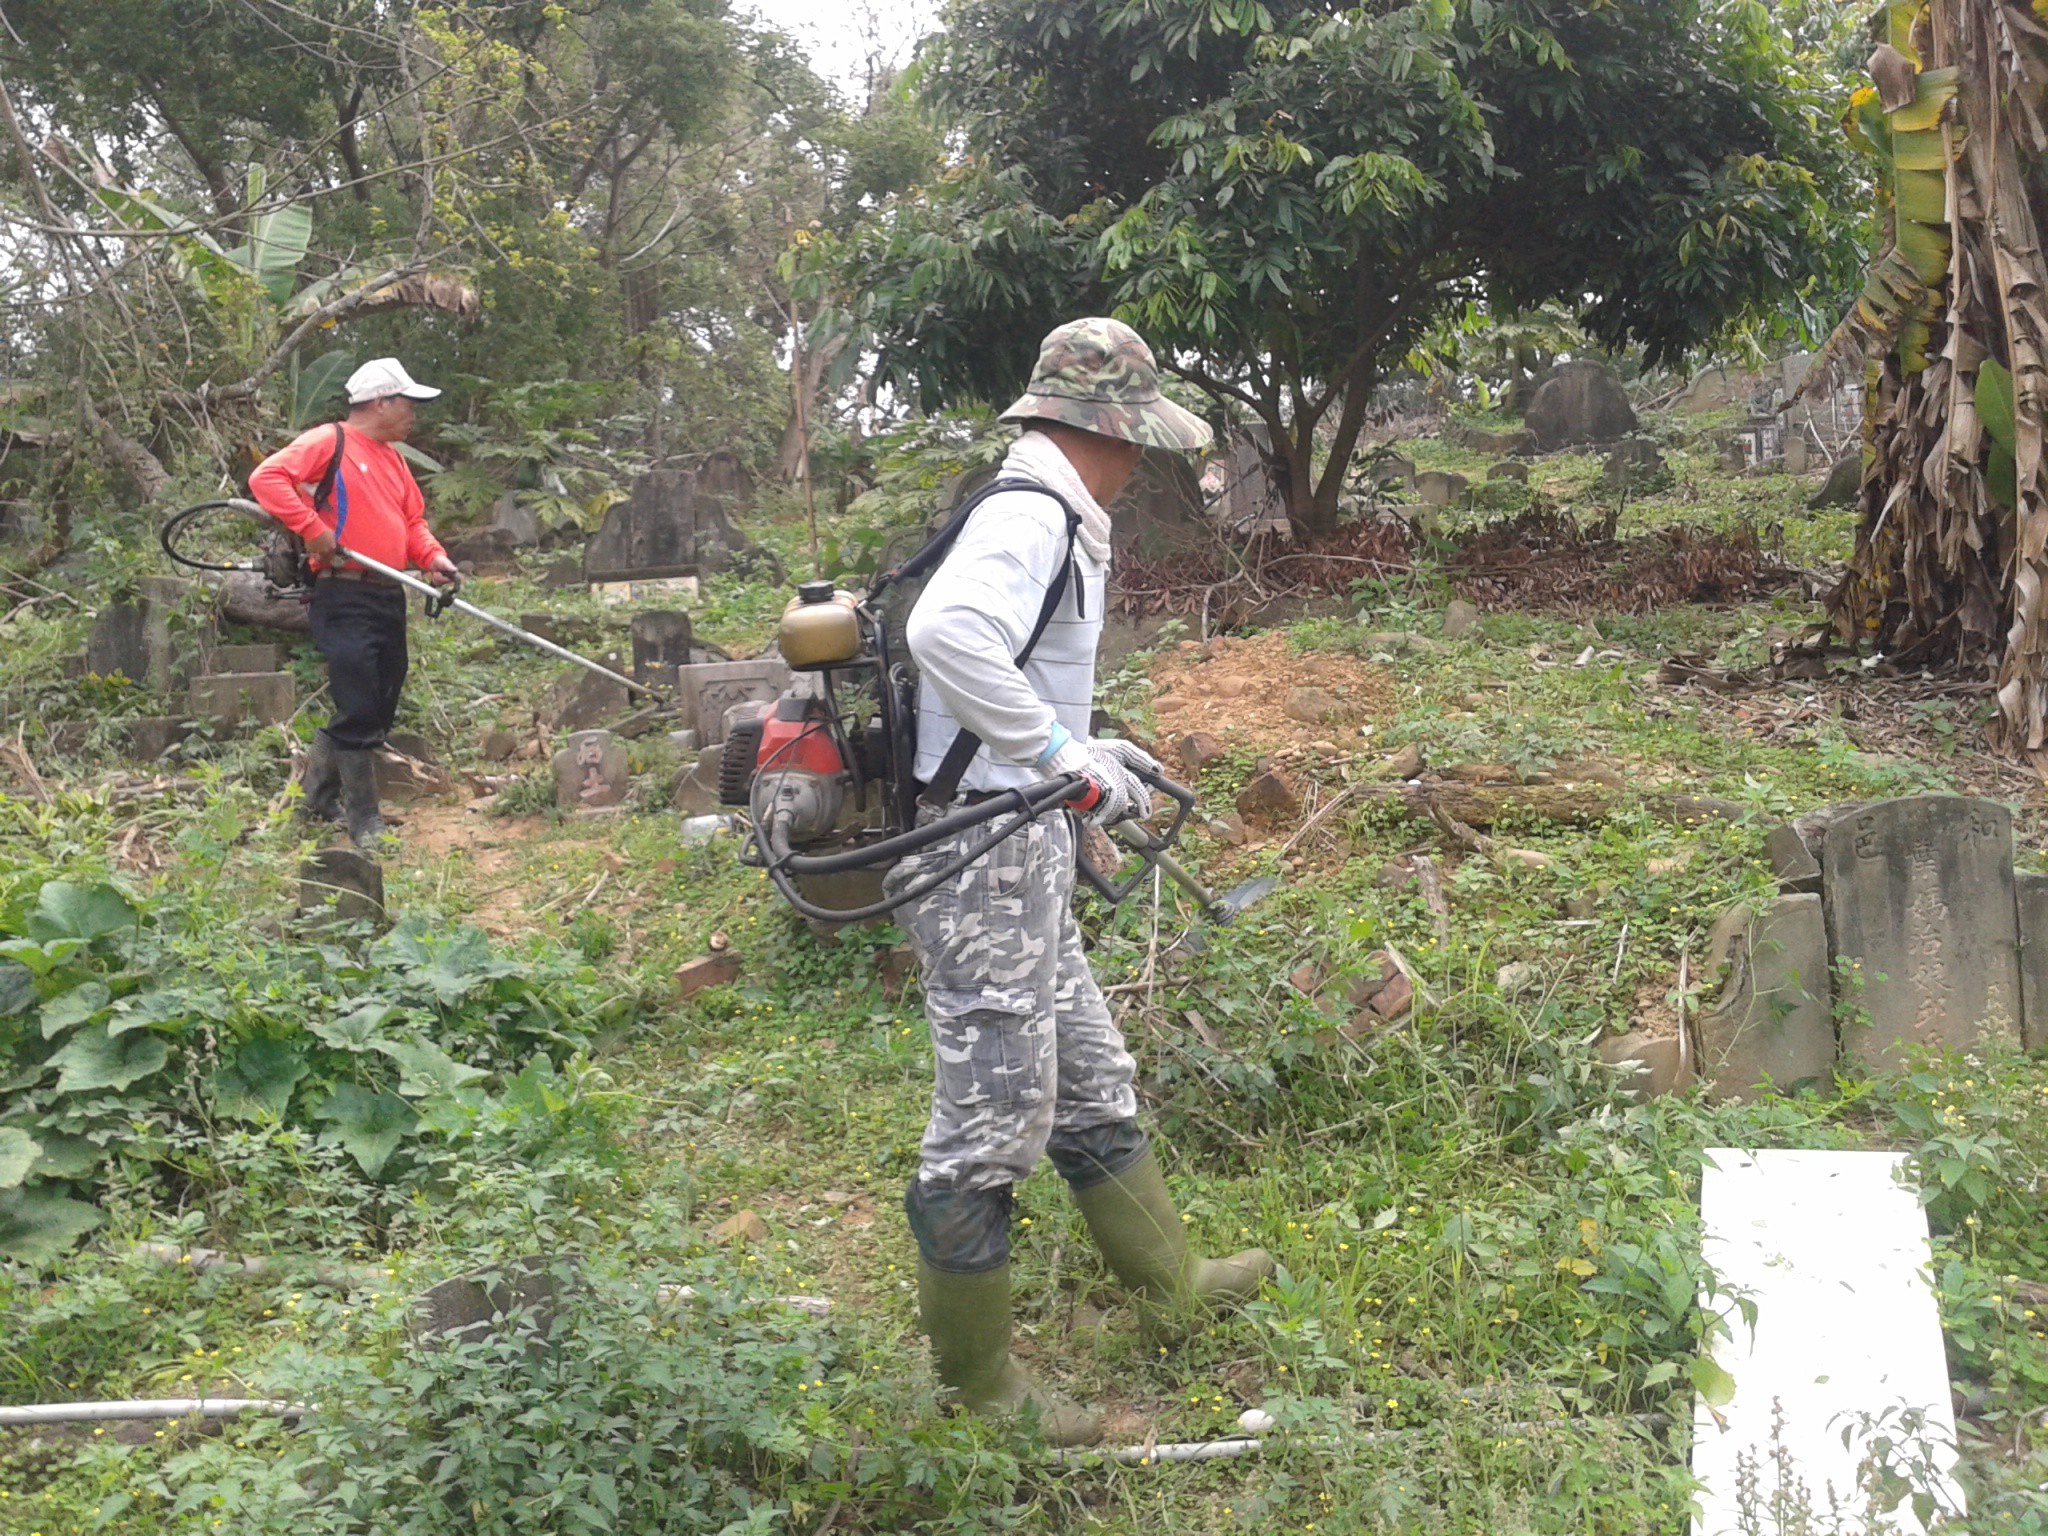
1131, 1217
358, 772
321, 800
967, 1318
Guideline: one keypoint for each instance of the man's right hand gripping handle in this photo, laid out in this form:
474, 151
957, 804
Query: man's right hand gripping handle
1113, 792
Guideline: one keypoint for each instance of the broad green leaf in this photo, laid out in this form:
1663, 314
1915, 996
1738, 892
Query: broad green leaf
451, 967
175, 1006
18, 1154
315, 385
68, 1010
356, 1031
17, 988
64, 1156
424, 1068
40, 958
1921, 150
368, 1126
1921, 196
1925, 248
94, 1059
259, 1080
426, 461
1995, 403
1711, 1382
37, 1225
2002, 476
1933, 89
82, 912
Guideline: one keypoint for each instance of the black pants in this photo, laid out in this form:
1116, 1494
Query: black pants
359, 628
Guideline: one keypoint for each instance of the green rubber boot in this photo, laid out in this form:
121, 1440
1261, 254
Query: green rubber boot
967, 1318
359, 802
1131, 1217
321, 801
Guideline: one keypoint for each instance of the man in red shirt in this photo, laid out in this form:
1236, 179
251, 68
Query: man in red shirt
358, 617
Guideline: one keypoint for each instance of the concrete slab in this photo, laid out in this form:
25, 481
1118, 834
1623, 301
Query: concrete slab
1832, 1249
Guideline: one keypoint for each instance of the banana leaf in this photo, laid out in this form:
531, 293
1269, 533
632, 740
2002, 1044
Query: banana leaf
1921, 196
1995, 409
1934, 89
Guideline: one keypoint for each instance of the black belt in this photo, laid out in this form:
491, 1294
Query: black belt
356, 573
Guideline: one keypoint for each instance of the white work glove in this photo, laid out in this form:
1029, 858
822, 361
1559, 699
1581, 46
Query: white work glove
1113, 791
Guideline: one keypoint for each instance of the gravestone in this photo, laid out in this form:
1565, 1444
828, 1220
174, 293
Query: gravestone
1921, 919
516, 1299
591, 772
1245, 487
1635, 464
649, 535
707, 690
661, 645
1435, 488
694, 790
1509, 469
1582, 402
343, 885
229, 699
139, 637
1160, 510
151, 736
517, 523
1771, 1023
2031, 892
723, 475
487, 551
245, 658
580, 699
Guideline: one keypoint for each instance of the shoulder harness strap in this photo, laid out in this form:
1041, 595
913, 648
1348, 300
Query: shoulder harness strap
946, 781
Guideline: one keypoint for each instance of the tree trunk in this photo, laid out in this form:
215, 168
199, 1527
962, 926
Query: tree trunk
1951, 560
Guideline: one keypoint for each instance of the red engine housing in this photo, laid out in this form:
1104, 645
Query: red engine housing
797, 736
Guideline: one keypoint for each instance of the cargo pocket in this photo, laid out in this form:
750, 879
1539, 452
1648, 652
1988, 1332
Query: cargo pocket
988, 1047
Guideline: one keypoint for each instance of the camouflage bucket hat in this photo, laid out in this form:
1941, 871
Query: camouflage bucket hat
1098, 375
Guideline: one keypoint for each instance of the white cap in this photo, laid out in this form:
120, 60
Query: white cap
382, 376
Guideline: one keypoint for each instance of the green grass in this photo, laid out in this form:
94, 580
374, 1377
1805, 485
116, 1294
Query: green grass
1489, 1256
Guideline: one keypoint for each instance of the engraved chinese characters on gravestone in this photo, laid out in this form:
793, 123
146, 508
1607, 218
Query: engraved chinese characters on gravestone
1921, 925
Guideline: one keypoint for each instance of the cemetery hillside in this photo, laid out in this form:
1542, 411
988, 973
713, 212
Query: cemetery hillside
1577, 529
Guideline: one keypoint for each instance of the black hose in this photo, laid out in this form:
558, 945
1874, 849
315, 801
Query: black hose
176, 523
1027, 805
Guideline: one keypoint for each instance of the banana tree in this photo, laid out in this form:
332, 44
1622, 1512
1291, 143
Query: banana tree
1951, 560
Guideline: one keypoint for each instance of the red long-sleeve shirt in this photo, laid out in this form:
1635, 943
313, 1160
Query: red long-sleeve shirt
387, 516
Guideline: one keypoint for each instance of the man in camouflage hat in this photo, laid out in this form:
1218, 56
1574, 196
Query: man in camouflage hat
1028, 1061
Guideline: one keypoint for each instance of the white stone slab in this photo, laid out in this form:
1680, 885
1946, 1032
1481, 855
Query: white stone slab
1832, 1248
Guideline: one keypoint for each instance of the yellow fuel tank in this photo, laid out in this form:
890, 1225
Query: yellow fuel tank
818, 628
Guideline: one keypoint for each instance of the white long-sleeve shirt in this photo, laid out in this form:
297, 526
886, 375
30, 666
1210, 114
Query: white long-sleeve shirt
973, 617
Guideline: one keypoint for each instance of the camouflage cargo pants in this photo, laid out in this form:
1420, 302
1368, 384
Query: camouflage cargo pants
1025, 1051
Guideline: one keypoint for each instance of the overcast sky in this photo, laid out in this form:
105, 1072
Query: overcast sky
843, 34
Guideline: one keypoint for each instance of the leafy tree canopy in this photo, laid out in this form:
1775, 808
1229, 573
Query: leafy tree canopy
1285, 197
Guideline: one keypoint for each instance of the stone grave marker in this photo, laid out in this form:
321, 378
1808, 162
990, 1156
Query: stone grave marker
1581, 402
1243, 486
651, 535
1921, 911
580, 699
661, 645
230, 699
1160, 510
1439, 488
139, 638
2031, 892
708, 689
1771, 1024
591, 772
343, 885
245, 658
151, 736
694, 790
518, 1298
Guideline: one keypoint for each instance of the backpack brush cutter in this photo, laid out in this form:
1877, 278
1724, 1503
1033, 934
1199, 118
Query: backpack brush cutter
826, 773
